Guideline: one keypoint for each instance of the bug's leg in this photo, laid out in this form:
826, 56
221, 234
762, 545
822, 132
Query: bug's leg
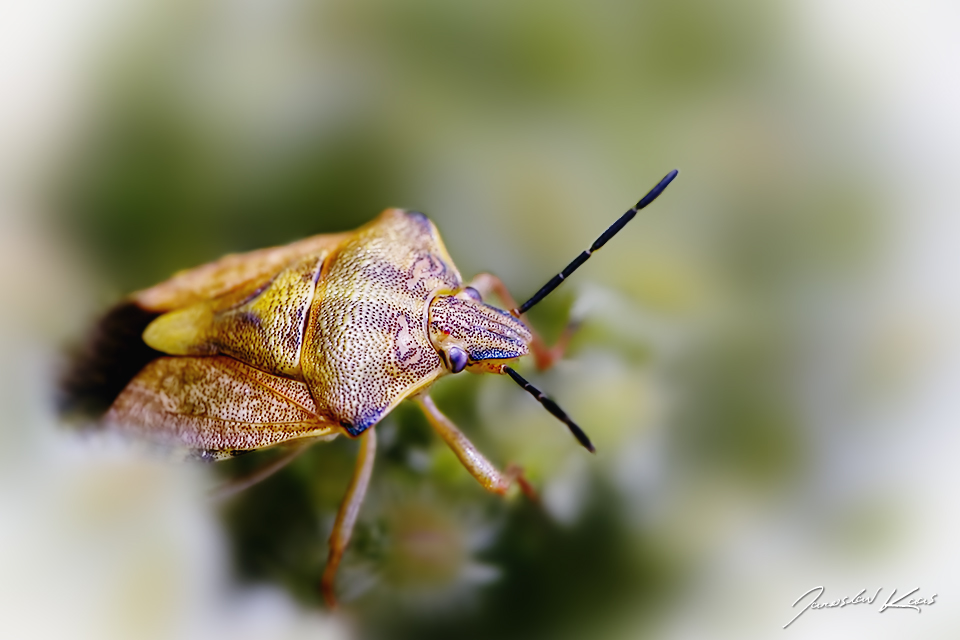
236, 485
545, 357
347, 515
479, 467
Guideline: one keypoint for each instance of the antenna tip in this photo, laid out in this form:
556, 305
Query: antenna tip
578, 433
657, 190
584, 440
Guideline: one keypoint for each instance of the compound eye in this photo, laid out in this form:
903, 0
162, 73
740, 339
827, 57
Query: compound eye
458, 359
473, 293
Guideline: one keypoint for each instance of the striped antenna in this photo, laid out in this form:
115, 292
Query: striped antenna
599, 242
552, 407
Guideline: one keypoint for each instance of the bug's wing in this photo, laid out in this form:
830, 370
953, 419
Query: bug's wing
216, 405
231, 272
263, 328
115, 351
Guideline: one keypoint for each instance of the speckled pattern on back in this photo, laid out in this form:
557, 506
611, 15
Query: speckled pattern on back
367, 347
267, 331
263, 327
231, 272
216, 404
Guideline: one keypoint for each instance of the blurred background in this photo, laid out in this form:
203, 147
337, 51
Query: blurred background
767, 363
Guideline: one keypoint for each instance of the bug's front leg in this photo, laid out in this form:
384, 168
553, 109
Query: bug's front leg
347, 515
479, 467
545, 357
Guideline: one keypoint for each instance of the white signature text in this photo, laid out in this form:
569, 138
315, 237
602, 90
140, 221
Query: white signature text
892, 602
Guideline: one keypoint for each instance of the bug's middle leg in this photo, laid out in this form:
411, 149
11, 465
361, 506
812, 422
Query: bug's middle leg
491, 478
347, 515
235, 486
545, 357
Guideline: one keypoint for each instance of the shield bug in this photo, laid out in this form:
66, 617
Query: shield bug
315, 339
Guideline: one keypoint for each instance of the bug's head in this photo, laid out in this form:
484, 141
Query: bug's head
469, 334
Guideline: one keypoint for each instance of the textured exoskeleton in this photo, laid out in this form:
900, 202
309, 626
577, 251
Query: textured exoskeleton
320, 337
324, 337
307, 341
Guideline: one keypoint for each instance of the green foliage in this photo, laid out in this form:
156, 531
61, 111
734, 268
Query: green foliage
522, 129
